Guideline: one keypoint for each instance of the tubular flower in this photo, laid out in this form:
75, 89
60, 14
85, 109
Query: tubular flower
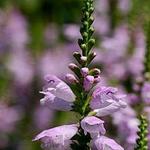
58, 94
93, 125
106, 100
57, 138
105, 143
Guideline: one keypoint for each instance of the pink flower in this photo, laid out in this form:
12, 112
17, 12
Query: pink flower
9, 116
58, 94
93, 125
57, 138
105, 143
126, 120
106, 100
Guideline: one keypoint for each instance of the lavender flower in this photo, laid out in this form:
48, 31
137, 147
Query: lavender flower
8, 118
126, 120
124, 6
49, 60
42, 117
17, 30
58, 94
71, 31
105, 100
57, 138
21, 67
93, 125
105, 143
146, 92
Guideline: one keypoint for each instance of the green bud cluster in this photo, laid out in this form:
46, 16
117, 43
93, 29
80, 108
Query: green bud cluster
87, 42
142, 141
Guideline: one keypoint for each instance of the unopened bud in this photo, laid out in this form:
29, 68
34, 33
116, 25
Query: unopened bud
77, 56
75, 69
70, 78
83, 46
88, 82
84, 71
72, 66
91, 20
83, 60
91, 57
91, 43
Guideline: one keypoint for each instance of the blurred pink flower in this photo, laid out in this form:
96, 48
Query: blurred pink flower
8, 118
71, 31
146, 92
21, 66
124, 6
17, 30
42, 117
54, 62
126, 120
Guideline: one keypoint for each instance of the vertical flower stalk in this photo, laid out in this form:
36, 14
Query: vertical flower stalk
85, 77
142, 141
81, 97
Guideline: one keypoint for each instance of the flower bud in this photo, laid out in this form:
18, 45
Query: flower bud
70, 78
75, 69
83, 46
91, 10
88, 82
91, 43
77, 56
72, 66
91, 31
91, 20
84, 71
83, 60
91, 57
